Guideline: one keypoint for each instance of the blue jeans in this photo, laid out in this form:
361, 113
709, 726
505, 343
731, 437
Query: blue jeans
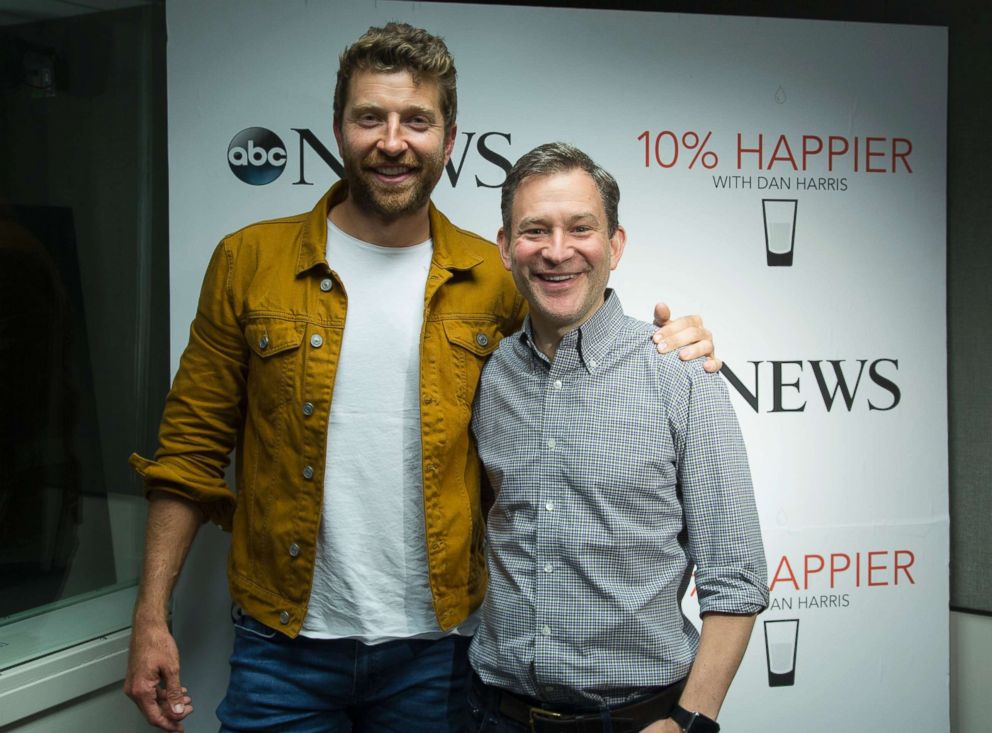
306, 685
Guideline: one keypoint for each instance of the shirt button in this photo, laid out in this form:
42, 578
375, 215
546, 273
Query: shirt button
550, 506
326, 284
263, 343
308, 408
546, 630
284, 618
308, 472
592, 363
552, 443
557, 384
548, 567
294, 550
316, 341
481, 339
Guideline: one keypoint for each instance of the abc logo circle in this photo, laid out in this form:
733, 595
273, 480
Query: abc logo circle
256, 156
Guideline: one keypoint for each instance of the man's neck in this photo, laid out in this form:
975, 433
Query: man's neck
403, 232
546, 340
547, 336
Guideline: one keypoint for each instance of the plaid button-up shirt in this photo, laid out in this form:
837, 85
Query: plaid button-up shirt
616, 471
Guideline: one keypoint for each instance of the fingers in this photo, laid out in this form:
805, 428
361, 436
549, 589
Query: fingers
172, 697
670, 338
178, 707
662, 314
712, 365
157, 714
702, 348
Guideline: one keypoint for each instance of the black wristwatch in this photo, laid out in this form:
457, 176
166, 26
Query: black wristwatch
694, 722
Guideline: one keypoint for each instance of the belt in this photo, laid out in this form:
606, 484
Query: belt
624, 719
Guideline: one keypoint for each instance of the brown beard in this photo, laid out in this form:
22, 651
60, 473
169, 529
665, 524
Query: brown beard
390, 207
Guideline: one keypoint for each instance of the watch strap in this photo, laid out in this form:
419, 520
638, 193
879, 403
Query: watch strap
691, 722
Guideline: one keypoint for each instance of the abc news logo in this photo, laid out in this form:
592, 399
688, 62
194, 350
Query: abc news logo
258, 156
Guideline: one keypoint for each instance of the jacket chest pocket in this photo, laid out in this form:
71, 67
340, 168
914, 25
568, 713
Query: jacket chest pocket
469, 345
275, 360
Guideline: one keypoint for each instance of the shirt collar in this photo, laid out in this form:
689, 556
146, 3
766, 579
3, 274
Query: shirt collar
591, 340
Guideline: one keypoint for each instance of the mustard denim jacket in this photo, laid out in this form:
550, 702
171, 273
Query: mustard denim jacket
258, 375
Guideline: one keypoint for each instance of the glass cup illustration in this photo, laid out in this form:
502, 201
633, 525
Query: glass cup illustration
781, 642
780, 230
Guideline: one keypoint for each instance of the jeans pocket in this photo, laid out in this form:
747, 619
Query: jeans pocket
248, 627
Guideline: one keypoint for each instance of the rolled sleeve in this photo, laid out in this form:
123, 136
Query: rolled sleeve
721, 518
204, 410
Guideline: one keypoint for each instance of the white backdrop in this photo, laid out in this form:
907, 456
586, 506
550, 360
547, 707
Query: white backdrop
851, 481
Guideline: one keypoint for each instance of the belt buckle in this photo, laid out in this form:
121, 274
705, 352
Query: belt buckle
542, 715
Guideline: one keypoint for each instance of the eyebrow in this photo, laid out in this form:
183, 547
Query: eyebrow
529, 221
413, 109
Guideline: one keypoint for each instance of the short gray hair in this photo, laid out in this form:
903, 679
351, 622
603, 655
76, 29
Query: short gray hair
552, 158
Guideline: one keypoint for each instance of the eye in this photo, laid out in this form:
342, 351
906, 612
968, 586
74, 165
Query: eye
368, 119
420, 123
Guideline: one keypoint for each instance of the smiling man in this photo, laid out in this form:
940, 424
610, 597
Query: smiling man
339, 350
615, 473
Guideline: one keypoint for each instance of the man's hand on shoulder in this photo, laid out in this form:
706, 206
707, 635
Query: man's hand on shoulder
153, 677
663, 726
687, 333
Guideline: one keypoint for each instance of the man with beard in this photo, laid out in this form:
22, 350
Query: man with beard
339, 351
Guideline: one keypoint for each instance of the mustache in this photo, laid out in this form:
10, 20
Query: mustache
376, 160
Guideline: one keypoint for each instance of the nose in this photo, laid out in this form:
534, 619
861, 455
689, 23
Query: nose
558, 248
392, 142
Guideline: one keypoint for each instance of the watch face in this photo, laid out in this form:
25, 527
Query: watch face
702, 724
694, 722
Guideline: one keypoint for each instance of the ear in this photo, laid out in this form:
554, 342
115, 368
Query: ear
504, 247
617, 242
449, 143
337, 132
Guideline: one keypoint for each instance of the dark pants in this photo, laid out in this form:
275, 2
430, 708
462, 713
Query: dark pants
484, 711
306, 685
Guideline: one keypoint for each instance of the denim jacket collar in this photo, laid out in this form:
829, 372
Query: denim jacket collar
313, 243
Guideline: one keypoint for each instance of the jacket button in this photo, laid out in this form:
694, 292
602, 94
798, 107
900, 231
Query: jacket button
316, 341
326, 284
263, 343
284, 618
308, 408
308, 472
428, 400
481, 339
294, 550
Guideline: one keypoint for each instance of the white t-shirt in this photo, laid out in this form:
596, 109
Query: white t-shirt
370, 579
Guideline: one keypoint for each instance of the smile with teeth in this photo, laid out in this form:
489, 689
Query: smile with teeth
392, 171
557, 278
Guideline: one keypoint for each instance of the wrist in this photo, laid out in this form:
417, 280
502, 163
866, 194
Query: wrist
150, 615
691, 721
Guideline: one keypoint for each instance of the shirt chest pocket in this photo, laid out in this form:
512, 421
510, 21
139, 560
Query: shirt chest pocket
275, 360
469, 345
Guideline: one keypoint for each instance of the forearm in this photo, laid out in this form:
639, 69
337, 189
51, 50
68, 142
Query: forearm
722, 643
169, 531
